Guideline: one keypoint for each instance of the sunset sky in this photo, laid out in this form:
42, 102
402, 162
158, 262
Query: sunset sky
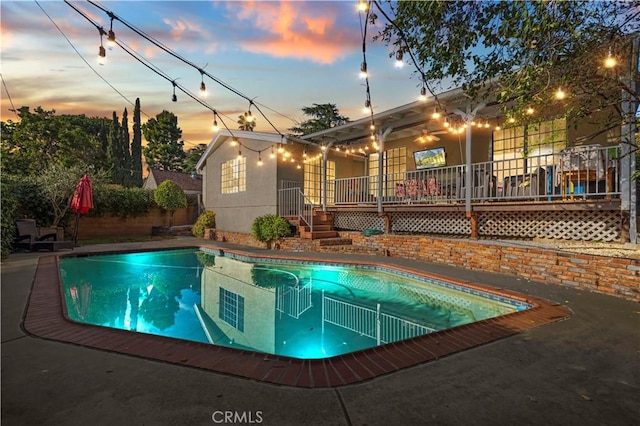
283, 54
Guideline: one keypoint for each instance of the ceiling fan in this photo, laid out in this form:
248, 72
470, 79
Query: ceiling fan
428, 136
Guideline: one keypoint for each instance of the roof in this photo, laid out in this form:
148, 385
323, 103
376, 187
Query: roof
183, 180
403, 121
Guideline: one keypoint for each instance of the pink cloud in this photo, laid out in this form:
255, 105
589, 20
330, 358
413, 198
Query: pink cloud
291, 31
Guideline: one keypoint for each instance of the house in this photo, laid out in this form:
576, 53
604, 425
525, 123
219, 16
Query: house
563, 180
445, 166
191, 184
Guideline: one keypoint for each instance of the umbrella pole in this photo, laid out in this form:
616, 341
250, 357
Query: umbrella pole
75, 231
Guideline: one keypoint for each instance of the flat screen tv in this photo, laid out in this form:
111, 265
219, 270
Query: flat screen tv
430, 158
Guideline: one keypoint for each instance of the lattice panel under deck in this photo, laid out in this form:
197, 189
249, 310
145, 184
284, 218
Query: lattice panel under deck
568, 225
430, 222
357, 221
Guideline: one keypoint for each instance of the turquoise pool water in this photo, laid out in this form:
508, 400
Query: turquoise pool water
297, 309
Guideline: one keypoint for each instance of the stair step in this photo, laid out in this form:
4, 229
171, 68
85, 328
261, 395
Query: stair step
305, 228
318, 234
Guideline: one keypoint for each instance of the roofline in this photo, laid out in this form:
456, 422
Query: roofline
244, 134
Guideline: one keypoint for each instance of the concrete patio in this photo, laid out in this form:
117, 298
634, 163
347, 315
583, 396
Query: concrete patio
584, 370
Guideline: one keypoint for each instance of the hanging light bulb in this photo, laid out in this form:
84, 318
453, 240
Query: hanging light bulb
367, 106
234, 142
363, 70
111, 36
323, 148
239, 154
363, 6
102, 54
530, 111
560, 94
436, 113
248, 116
259, 160
174, 98
399, 63
372, 127
215, 127
610, 61
423, 94
446, 122
203, 89
273, 154
280, 149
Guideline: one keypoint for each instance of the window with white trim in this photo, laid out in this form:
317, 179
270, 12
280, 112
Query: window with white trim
394, 167
234, 175
313, 179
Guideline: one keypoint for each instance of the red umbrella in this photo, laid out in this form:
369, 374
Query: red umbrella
82, 201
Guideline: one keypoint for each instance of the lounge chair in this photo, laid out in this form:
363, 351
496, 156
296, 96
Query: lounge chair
29, 238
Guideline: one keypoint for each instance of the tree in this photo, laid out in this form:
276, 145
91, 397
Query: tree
41, 138
125, 149
193, 155
114, 151
325, 116
522, 50
136, 148
246, 122
164, 151
170, 197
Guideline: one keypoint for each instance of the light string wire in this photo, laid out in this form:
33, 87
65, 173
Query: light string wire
162, 74
184, 60
6, 89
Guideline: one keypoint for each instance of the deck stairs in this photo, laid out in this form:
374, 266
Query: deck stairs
325, 237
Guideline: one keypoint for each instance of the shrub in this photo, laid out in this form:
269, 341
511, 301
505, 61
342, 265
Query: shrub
8, 216
120, 201
170, 197
205, 220
270, 228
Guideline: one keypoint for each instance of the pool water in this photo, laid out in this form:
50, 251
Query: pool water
296, 309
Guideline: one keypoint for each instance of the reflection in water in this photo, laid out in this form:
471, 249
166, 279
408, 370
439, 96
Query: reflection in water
303, 311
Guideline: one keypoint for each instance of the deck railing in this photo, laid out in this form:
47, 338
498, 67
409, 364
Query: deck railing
580, 172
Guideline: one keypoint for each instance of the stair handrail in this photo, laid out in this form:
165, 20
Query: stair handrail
293, 202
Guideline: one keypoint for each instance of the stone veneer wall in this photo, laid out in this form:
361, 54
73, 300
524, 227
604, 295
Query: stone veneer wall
615, 276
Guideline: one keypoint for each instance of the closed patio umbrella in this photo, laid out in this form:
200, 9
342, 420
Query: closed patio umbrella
81, 202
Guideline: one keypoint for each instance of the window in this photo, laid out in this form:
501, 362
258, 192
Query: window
231, 309
525, 148
234, 176
313, 179
394, 165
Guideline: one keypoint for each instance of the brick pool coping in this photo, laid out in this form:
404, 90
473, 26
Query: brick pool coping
46, 318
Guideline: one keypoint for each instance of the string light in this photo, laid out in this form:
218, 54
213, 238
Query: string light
399, 63
423, 94
436, 113
560, 94
239, 154
610, 61
259, 160
174, 98
272, 155
280, 149
363, 6
111, 36
102, 54
203, 87
363, 70
215, 127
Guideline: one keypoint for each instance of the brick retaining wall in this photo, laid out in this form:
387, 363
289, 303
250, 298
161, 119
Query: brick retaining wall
610, 275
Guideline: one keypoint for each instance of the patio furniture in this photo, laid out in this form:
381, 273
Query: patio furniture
581, 165
483, 185
411, 188
30, 238
528, 185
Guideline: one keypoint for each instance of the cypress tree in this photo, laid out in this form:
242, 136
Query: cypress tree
136, 147
124, 150
113, 150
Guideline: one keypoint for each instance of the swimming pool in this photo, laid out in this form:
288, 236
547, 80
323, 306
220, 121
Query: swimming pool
292, 308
